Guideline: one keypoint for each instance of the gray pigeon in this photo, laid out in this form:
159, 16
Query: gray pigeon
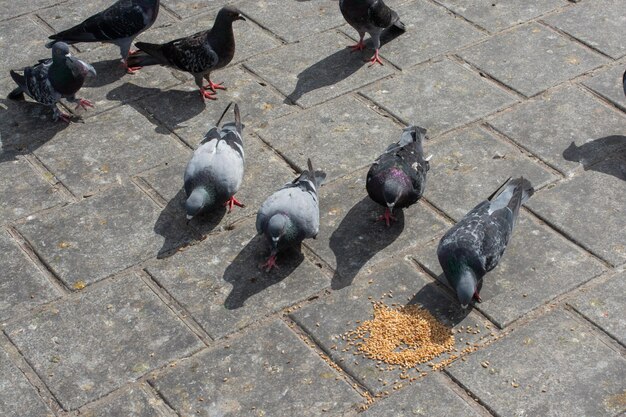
398, 177
53, 79
371, 16
474, 245
215, 171
291, 214
119, 24
198, 54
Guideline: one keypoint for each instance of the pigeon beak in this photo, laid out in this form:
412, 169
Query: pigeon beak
464, 306
240, 17
92, 71
189, 217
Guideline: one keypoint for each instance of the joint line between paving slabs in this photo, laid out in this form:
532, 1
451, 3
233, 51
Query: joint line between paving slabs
151, 391
607, 102
577, 41
282, 156
358, 95
603, 335
472, 401
471, 393
265, 83
149, 191
490, 79
41, 168
461, 17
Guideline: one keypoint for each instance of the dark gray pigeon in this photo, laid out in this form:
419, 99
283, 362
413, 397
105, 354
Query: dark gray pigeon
397, 178
53, 79
215, 171
624, 82
474, 245
198, 54
119, 24
371, 16
291, 214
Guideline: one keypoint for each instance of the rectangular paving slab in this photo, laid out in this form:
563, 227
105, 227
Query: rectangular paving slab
340, 136
317, 69
131, 402
609, 84
536, 58
92, 343
555, 366
17, 396
438, 96
537, 266
605, 305
266, 372
220, 283
102, 235
21, 44
564, 128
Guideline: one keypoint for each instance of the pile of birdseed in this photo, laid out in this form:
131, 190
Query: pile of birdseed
404, 336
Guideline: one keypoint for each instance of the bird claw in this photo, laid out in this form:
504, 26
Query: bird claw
84, 104
63, 117
233, 202
387, 217
375, 59
271, 263
212, 86
477, 297
208, 94
358, 47
136, 51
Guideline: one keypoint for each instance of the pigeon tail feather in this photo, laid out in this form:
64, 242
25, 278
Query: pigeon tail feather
149, 54
20, 80
317, 177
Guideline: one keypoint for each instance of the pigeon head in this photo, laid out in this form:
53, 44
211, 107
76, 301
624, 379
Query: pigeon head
229, 14
276, 228
60, 50
197, 200
393, 190
466, 286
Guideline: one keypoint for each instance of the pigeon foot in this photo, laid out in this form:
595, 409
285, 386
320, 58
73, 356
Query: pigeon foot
208, 94
233, 202
271, 263
376, 59
212, 86
387, 217
358, 47
130, 70
84, 104
64, 117
477, 297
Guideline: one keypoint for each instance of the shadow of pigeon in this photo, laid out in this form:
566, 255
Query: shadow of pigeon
107, 73
358, 238
606, 155
436, 298
246, 276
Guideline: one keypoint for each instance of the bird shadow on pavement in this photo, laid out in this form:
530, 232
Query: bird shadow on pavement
107, 72
177, 232
606, 155
358, 238
246, 276
335, 68
440, 302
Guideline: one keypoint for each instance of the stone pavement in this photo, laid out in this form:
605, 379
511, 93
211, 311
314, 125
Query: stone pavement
111, 305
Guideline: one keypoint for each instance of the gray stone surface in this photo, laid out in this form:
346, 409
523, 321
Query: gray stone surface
438, 96
124, 146
470, 164
605, 305
328, 320
537, 58
269, 371
575, 207
549, 125
13, 9
18, 397
350, 239
430, 396
21, 44
609, 85
501, 14
22, 285
131, 402
220, 283
190, 8
102, 235
317, 69
537, 266
331, 132
22, 190
537, 371
90, 344
597, 23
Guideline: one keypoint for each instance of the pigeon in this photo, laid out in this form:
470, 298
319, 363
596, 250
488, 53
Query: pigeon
624, 82
119, 24
474, 245
371, 16
291, 214
53, 79
198, 54
215, 171
398, 177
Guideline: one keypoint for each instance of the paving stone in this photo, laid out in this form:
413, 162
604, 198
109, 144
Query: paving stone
537, 266
597, 23
350, 239
556, 125
294, 20
17, 396
133, 402
346, 127
470, 164
268, 371
17, 8
443, 95
101, 235
605, 305
431, 31
609, 85
22, 285
334, 316
220, 283
22, 190
257, 103
317, 69
501, 14
537, 58
21, 41
258, 183
124, 145
188, 8
537, 371
86, 346
430, 396
590, 209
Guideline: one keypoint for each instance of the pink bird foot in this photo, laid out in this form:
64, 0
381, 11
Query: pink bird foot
358, 47
387, 217
233, 202
477, 297
212, 86
376, 59
84, 104
207, 94
271, 263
